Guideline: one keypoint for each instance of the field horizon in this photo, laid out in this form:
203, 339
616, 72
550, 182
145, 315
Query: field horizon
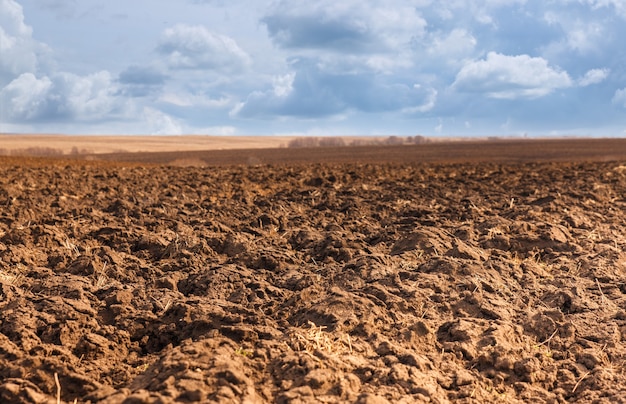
29, 144
204, 150
201, 151
67, 144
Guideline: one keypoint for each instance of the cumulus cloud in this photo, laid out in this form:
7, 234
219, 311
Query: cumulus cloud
12, 19
507, 27
510, 77
160, 123
62, 96
20, 52
348, 26
591, 36
593, 76
30, 94
195, 47
311, 92
25, 98
349, 56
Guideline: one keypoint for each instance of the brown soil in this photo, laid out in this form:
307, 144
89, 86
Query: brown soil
503, 151
302, 282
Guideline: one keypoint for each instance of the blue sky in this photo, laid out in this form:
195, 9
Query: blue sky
393, 67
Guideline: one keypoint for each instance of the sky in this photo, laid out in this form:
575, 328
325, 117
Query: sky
292, 67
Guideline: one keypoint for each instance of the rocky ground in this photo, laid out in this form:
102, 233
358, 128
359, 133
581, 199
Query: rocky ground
305, 283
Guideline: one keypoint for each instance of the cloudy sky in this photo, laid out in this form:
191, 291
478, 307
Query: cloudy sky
360, 67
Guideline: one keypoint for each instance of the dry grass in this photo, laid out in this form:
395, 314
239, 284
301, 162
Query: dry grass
583, 377
13, 278
101, 280
73, 248
58, 386
549, 338
316, 339
10, 279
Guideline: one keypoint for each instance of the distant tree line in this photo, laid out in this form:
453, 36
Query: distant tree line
333, 141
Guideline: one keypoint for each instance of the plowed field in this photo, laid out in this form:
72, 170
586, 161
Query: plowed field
476, 278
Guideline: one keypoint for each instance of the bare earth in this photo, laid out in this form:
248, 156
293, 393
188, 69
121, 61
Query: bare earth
474, 272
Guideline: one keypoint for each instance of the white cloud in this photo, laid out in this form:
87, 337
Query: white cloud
160, 123
618, 5
443, 49
61, 96
12, 19
457, 43
28, 93
283, 85
87, 97
511, 77
186, 99
620, 97
24, 98
195, 47
479, 10
20, 52
584, 36
593, 76
384, 64
580, 35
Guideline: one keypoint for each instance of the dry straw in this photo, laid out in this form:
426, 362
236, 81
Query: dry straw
58, 385
315, 338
